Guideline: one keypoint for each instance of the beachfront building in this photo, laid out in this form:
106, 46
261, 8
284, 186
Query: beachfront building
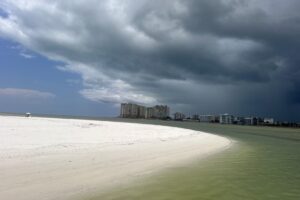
161, 111
206, 118
130, 110
226, 119
269, 121
142, 111
209, 118
179, 116
150, 113
250, 121
158, 112
239, 120
195, 117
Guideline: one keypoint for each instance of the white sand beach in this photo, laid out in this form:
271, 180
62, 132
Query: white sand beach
47, 158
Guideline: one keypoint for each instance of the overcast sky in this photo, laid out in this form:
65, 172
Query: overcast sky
85, 57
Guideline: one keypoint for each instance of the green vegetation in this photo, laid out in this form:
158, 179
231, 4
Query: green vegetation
263, 165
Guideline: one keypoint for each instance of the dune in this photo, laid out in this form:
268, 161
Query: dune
61, 159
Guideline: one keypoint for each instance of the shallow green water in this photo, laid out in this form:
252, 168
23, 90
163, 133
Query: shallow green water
265, 164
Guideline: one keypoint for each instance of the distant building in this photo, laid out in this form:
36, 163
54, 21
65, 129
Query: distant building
217, 119
250, 120
260, 121
130, 110
226, 119
179, 116
150, 113
142, 112
206, 118
239, 120
195, 117
269, 121
161, 111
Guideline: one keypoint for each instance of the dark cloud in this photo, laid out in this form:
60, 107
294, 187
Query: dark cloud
207, 56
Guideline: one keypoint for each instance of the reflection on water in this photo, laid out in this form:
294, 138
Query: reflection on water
265, 164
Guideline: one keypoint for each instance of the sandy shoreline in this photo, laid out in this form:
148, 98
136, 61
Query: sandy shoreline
46, 158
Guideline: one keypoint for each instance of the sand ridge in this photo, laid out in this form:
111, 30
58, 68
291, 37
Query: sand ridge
48, 158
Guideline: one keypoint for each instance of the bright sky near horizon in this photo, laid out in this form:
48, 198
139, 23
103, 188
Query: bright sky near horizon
208, 57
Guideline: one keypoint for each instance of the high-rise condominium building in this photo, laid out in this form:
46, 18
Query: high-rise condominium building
129, 110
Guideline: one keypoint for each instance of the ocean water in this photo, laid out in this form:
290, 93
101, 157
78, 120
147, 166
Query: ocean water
264, 164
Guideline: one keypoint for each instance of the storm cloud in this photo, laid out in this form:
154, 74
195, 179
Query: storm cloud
206, 56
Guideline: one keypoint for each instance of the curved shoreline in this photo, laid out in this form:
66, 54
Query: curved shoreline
46, 158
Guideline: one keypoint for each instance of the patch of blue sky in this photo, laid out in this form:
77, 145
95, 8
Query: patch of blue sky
3, 13
36, 72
